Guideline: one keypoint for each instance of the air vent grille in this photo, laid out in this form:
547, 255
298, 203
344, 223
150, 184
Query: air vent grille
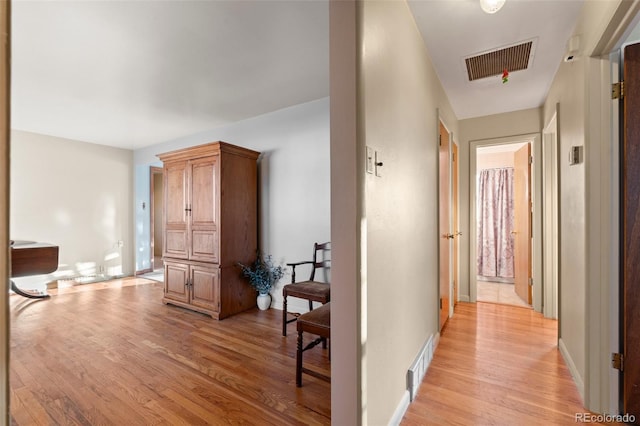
514, 58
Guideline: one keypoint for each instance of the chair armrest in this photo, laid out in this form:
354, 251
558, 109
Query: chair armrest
293, 268
299, 263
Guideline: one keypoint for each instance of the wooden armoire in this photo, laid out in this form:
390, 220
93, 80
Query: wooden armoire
210, 223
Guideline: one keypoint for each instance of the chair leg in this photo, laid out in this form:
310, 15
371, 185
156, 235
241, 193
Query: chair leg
310, 305
284, 316
299, 361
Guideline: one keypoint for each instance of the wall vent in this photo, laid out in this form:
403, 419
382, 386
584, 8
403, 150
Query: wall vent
492, 63
418, 369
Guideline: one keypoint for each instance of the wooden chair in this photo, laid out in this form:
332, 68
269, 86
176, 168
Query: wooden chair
316, 322
313, 291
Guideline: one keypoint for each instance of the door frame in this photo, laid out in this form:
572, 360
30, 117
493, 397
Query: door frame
536, 195
153, 171
551, 216
455, 223
5, 71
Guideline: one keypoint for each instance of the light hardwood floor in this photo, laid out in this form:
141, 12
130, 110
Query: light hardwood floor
113, 354
496, 365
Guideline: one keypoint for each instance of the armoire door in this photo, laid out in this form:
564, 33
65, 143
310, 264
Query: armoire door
176, 237
176, 281
204, 209
205, 287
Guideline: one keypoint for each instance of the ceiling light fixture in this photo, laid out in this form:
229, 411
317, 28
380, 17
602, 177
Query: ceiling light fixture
491, 6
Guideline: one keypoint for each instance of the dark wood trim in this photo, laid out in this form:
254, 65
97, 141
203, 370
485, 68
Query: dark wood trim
631, 230
153, 171
142, 272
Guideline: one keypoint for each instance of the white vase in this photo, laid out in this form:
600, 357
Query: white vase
264, 301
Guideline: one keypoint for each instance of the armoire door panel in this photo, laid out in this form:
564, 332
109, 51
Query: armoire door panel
203, 191
176, 243
175, 176
204, 245
205, 287
175, 281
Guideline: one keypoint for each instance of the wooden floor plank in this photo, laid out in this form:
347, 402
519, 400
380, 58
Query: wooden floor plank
117, 355
496, 365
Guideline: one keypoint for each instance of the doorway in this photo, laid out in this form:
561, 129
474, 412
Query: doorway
155, 220
534, 280
444, 223
448, 246
503, 261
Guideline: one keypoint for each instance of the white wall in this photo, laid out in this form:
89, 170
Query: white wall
294, 182
347, 200
400, 98
76, 195
493, 160
585, 209
569, 90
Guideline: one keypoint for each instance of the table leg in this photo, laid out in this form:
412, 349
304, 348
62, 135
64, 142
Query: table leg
29, 294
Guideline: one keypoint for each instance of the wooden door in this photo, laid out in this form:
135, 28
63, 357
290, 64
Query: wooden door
175, 210
203, 208
631, 231
444, 200
522, 222
457, 233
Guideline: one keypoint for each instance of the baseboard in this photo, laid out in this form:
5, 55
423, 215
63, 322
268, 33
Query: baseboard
464, 298
396, 419
293, 305
415, 375
419, 367
142, 272
572, 368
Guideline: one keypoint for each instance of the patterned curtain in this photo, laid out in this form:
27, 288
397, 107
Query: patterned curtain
495, 223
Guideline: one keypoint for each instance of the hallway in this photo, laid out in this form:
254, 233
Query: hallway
496, 364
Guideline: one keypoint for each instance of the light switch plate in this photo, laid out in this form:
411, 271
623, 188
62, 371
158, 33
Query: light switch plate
378, 163
370, 159
575, 155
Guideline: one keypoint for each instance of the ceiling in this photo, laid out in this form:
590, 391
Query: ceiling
455, 29
135, 73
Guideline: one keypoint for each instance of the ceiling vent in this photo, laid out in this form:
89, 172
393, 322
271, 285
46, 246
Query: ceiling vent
513, 58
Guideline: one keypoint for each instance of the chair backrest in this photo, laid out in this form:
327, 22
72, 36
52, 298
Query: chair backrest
320, 258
